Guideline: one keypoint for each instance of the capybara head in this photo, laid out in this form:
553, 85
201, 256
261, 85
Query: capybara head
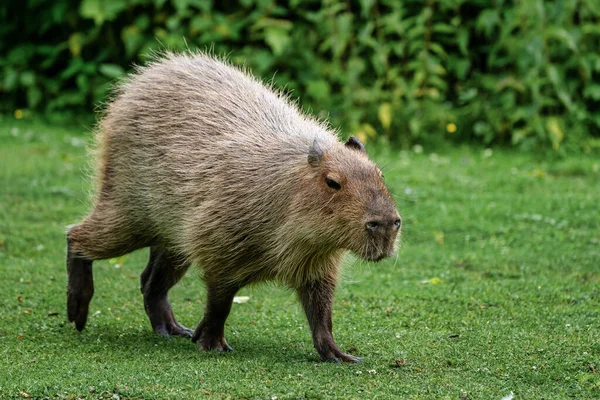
354, 208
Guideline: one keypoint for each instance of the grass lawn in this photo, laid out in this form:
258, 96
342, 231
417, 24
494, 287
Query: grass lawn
496, 289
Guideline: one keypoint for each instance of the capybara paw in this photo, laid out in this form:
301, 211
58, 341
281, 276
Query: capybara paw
337, 356
208, 341
77, 307
80, 287
175, 329
350, 358
181, 330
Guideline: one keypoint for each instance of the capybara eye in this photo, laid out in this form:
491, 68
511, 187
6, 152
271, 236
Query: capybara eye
333, 184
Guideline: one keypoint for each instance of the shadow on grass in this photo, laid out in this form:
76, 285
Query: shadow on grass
142, 341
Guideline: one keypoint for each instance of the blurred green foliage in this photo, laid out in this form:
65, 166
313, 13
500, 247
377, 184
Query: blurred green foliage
525, 73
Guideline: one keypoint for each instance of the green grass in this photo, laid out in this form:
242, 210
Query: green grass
496, 289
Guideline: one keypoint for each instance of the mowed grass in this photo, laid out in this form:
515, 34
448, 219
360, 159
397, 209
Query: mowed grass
496, 289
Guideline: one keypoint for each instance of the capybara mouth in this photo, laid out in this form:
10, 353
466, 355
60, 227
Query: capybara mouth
376, 255
375, 252
381, 238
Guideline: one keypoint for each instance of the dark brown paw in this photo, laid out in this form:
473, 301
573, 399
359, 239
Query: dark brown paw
350, 358
78, 302
162, 319
332, 353
80, 289
342, 357
175, 329
210, 341
214, 343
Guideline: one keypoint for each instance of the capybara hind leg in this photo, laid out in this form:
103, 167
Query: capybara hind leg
80, 287
317, 299
164, 270
210, 332
102, 235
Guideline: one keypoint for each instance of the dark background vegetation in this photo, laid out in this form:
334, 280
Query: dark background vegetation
523, 73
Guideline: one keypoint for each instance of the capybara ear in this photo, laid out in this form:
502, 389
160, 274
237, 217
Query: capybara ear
354, 143
315, 153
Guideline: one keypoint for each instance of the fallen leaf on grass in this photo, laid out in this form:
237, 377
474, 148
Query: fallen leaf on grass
117, 262
538, 173
24, 395
432, 281
241, 299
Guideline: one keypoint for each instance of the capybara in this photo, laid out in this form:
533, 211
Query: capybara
206, 165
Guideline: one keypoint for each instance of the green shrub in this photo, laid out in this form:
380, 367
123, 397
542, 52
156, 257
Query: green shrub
525, 73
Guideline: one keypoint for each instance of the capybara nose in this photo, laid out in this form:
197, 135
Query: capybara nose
375, 225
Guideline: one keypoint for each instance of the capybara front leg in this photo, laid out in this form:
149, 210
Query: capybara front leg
80, 287
164, 270
210, 332
317, 300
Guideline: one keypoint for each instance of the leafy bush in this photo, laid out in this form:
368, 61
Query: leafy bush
526, 73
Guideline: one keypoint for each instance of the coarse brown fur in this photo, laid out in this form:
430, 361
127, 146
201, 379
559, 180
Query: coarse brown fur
208, 166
